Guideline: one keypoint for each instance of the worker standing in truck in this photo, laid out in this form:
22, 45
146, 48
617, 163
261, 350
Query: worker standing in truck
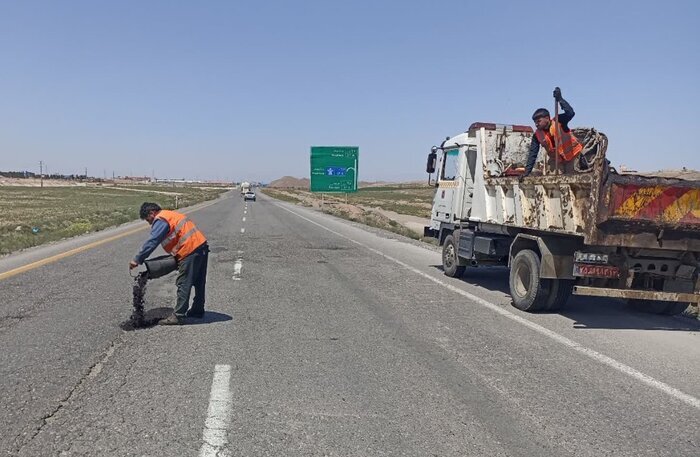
181, 238
568, 148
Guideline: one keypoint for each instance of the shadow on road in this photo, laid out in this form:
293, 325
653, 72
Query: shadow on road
153, 315
586, 312
209, 318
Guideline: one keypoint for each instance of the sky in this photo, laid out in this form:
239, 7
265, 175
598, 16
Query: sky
240, 90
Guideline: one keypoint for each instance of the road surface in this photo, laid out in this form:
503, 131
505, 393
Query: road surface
326, 338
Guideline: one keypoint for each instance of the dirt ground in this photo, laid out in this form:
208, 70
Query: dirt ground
388, 208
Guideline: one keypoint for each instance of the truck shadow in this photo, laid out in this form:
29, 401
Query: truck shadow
585, 312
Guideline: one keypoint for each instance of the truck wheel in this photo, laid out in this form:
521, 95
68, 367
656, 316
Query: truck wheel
528, 290
667, 308
450, 261
559, 292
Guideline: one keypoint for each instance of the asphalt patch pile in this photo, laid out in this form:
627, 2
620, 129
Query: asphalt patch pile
140, 318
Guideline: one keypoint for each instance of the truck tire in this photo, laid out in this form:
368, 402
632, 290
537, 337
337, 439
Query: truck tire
528, 290
667, 308
450, 260
559, 292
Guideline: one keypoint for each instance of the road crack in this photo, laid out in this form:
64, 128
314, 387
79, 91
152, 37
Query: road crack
92, 372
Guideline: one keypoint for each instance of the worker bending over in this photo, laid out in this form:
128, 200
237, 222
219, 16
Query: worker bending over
181, 238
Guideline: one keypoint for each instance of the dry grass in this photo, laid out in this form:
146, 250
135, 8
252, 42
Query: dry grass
32, 216
410, 200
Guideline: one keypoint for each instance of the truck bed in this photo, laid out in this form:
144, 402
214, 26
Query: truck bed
601, 205
639, 206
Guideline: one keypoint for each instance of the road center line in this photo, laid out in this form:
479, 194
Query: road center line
242, 230
237, 267
244, 219
215, 434
597, 356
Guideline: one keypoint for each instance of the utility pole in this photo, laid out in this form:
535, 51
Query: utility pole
85, 172
41, 172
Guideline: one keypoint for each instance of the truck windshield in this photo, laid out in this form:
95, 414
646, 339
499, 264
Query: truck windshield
449, 165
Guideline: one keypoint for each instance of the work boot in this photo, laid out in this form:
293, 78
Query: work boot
173, 319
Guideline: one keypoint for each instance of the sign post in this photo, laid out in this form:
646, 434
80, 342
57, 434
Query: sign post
334, 168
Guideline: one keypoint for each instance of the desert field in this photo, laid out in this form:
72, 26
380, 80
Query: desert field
33, 215
400, 208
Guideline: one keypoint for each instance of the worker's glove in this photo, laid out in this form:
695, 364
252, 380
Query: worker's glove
557, 94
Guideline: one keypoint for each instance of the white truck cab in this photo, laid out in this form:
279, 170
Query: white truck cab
461, 167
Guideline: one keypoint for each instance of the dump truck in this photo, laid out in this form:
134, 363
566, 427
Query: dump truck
595, 232
245, 187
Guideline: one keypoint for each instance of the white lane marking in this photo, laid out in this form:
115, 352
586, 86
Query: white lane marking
242, 230
244, 219
245, 211
215, 435
597, 356
237, 267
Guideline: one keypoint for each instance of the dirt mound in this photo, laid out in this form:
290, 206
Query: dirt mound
685, 174
290, 182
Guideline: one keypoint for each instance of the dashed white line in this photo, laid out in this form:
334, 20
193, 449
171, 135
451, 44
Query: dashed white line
597, 356
244, 219
215, 435
237, 267
242, 230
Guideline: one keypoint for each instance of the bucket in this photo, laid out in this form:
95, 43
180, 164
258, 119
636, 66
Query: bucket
160, 266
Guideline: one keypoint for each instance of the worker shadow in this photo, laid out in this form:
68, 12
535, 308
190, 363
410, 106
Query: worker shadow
153, 315
584, 312
210, 317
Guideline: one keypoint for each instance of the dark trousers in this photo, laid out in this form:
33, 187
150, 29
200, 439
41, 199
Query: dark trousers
192, 272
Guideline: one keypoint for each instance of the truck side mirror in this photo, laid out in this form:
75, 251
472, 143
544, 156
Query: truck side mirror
432, 158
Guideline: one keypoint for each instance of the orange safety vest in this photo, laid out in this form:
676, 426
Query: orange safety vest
569, 147
183, 237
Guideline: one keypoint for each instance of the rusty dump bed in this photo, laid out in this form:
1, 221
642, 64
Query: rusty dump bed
604, 207
658, 210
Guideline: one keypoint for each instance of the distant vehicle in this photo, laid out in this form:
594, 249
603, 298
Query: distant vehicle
245, 187
250, 195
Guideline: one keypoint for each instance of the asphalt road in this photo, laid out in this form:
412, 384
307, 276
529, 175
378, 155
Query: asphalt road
326, 338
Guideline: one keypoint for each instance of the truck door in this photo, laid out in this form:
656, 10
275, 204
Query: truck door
468, 191
448, 184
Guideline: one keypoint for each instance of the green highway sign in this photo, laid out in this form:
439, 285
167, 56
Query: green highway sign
334, 168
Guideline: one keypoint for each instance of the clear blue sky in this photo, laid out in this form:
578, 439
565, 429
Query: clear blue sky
241, 89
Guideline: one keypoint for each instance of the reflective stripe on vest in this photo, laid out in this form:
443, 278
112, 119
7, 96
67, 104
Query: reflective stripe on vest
168, 239
183, 237
569, 147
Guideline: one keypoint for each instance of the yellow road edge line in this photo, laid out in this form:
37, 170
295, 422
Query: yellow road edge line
63, 255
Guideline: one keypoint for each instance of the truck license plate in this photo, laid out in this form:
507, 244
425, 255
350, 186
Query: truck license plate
596, 271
